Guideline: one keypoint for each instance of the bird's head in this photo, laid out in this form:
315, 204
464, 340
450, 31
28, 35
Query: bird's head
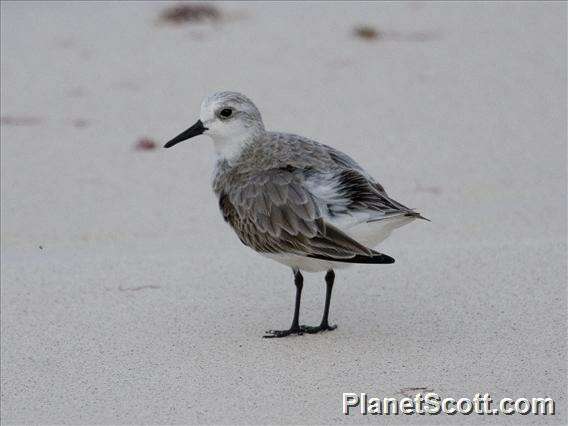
229, 118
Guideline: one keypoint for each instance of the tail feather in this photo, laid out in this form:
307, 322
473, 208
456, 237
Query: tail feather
408, 213
417, 216
375, 258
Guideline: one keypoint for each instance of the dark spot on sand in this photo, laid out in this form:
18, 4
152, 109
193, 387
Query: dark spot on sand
9, 120
40, 247
80, 123
86, 54
142, 287
77, 92
183, 13
367, 32
65, 43
145, 144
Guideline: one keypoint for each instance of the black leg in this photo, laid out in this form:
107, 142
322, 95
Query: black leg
329, 279
299, 283
295, 328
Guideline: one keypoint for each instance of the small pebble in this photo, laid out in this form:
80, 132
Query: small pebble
367, 32
190, 13
79, 123
145, 144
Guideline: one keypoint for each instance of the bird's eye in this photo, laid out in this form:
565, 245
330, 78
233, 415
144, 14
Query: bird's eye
226, 112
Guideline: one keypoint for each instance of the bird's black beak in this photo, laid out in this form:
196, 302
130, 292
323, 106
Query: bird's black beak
197, 129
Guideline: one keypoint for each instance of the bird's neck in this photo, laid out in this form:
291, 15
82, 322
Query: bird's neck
230, 149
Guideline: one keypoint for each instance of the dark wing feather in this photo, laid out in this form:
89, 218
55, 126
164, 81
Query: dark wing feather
361, 188
376, 258
365, 194
273, 212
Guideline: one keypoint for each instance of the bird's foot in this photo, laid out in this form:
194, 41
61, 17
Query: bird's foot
283, 333
322, 327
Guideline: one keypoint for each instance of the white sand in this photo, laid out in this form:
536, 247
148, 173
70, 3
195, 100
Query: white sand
143, 307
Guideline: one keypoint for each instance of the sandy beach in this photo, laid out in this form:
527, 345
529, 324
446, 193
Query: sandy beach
125, 298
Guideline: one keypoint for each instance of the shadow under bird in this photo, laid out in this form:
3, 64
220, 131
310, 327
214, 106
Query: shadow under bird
294, 200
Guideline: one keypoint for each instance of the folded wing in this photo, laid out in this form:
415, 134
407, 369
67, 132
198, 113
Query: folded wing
274, 212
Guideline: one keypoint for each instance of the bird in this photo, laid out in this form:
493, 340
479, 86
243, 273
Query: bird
294, 200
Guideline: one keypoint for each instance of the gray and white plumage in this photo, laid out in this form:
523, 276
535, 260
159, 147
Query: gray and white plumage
292, 199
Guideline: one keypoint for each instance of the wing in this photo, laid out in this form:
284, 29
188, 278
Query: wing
364, 194
358, 191
274, 212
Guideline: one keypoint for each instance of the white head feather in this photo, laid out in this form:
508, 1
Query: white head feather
232, 120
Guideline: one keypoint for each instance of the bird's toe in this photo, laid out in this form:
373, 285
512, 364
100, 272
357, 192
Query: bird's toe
283, 333
312, 330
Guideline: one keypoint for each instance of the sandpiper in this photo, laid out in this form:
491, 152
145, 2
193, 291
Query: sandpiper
292, 199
